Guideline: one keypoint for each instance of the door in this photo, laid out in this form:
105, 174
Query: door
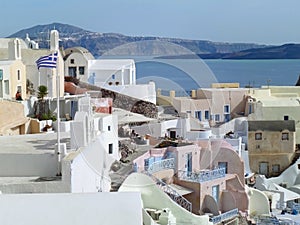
264, 168
172, 134
198, 115
189, 166
72, 71
215, 192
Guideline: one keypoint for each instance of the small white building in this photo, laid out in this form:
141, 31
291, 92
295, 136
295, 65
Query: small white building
118, 75
112, 72
107, 126
76, 63
187, 128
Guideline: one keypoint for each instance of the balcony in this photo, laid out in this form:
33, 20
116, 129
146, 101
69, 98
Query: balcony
202, 176
161, 165
224, 216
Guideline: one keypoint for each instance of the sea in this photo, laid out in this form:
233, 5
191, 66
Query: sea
188, 74
184, 75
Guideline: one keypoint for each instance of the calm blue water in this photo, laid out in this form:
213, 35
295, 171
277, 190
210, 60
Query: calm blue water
187, 74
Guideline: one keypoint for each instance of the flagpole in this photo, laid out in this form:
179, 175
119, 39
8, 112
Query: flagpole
58, 120
39, 81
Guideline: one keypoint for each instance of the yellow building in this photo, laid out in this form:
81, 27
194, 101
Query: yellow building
271, 146
12, 72
275, 103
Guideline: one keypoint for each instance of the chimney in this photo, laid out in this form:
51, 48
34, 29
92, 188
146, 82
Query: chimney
14, 49
54, 40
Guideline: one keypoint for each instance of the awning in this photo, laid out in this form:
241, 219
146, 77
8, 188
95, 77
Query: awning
181, 190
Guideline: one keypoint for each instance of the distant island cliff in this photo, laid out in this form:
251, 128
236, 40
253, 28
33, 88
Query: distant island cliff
101, 43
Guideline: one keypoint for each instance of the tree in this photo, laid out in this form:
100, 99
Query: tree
42, 92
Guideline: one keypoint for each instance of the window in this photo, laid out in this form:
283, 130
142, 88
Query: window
1, 74
217, 117
276, 168
264, 168
226, 117
113, 76
19, 74
285, 136
110, 148
72, 71
250, 108
108, 128
285, 117
81, 70
72, 61
226, 108
258, 136
198, 115
6, 87
206, 114
223, 165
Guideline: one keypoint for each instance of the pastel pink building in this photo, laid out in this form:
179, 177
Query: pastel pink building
209, 174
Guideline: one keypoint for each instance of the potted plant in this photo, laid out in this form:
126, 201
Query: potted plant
42, 92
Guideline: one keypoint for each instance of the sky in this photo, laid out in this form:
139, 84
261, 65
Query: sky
251, 21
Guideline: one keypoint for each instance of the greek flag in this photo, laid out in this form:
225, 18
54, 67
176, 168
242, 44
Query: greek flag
48, 61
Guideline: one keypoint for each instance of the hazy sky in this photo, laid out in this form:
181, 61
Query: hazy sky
255, 21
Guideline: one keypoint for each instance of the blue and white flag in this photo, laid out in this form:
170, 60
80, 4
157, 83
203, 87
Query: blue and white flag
48, 61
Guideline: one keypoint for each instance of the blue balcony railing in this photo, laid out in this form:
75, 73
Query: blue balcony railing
202, 176
161, 165
225, 216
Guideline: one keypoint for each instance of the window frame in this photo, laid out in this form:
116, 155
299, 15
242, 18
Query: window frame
258, 136
284, 136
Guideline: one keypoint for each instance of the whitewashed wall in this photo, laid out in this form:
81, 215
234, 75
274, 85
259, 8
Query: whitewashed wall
22, 165
72, 209
89, 168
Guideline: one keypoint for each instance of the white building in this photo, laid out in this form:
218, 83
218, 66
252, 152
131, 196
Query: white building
118, 75
112, 72
76, 62
187, 128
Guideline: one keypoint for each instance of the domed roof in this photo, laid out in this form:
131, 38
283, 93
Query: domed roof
86, 53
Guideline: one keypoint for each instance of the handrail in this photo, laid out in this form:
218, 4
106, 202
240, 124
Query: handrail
161, 165
202, 176
224, 216
172, 193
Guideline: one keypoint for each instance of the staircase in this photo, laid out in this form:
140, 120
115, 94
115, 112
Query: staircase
175, 196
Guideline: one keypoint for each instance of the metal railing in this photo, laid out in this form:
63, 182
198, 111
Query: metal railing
173, 194
225, 216
202, 176
161, 165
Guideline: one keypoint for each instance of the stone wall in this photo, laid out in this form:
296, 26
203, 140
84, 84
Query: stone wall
122, 101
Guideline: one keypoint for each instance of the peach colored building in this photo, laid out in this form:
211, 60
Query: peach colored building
210, 104
271, 146
210, 172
